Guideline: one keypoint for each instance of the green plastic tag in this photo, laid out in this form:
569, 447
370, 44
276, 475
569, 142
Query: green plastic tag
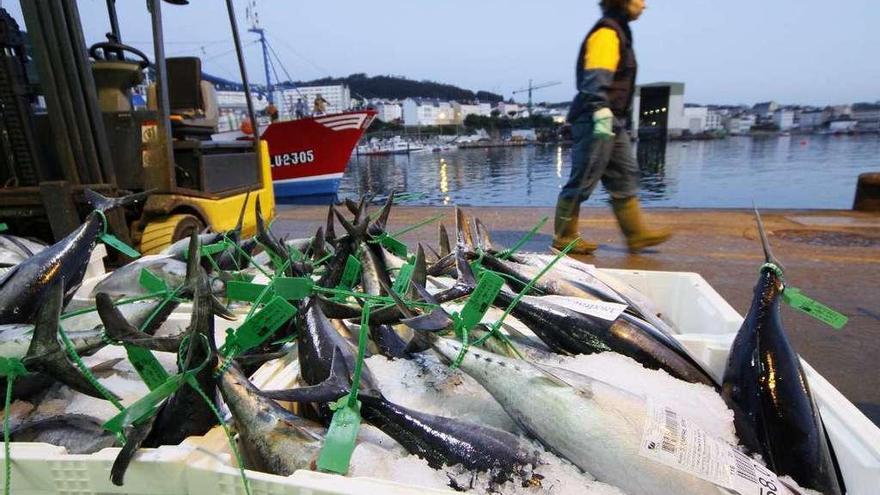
293, 289
3, 227
351, 273
12, 367
484, 295
114, 242
401, 283
295, 253
342, 434
237, 290
393, 245
212, 249
259, 327
151, 282
147, 366
797, 300
144, 407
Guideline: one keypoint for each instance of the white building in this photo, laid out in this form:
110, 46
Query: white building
509, 109
418, 111
741, 124
784, 119
714, 121
813, 119
695, 119
462, 110
388, 111
659, 107
338, 98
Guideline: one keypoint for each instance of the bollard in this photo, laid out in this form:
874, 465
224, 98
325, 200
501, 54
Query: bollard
868, 192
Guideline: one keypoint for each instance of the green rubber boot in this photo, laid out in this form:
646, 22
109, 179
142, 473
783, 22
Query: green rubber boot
638, 236
566, 229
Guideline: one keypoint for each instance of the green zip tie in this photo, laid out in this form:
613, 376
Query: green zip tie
417, 226
121, 302
795, 298
11, 368
7, 462
113, 241
87, 373
475, 309
229, 438
246, 255
774, 268
524, 239
531, 283
3, 227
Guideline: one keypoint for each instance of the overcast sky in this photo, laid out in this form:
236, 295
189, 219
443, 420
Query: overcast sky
742, 51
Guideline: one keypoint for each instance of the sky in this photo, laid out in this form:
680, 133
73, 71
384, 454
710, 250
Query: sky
726, 52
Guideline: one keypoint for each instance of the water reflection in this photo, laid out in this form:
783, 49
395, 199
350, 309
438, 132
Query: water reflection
816, 172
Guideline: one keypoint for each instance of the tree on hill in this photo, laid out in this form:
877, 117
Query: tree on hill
397, 87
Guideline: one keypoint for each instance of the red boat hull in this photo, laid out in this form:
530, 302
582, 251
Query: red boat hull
308, 156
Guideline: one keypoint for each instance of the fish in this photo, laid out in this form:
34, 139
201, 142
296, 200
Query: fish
374, 268
24, 288
79, 434
125, 280
274, 440
45, 353
764, 384
184, 413
594, 425
567, 331
15, 249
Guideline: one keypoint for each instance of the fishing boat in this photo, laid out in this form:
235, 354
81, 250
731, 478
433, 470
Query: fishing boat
309, 155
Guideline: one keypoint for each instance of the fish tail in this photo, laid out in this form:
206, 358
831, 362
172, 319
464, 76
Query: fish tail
103, 203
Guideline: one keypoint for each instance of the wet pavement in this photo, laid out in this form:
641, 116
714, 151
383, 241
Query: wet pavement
832, 255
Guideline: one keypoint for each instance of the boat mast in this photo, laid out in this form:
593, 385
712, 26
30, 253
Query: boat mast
254, 19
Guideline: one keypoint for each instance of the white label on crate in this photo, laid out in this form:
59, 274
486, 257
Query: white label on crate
600, 309
677, 442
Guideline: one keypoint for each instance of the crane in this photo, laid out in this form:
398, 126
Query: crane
534, 87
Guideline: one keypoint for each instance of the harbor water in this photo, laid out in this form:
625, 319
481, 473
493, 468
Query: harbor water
812, 171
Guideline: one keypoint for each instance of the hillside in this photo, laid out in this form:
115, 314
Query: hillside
395, 87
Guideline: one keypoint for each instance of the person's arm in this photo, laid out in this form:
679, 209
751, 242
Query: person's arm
599, 64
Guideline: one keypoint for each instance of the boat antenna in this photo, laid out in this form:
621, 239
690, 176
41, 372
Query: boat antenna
253, 18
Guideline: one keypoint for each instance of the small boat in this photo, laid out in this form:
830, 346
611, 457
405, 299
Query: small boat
308, 156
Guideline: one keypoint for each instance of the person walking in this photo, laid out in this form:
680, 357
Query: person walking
300, 108
600, 125
320, 105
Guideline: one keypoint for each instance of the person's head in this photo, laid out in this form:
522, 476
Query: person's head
632, 8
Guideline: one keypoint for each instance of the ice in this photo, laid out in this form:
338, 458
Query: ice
373, 461
698, 402
427, 385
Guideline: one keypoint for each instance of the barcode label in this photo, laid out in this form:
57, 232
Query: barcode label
675, 441
670, 436
599, 309
744, 468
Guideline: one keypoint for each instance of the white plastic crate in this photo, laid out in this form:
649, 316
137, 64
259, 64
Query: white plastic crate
202, 465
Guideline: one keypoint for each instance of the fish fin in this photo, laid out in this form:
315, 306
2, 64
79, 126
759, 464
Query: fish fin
352, 207
434, 252
240, 223
135, 437
445, 247
335, 386
316, 248
337, 310
442, 266
420, 271
556, 377
381, 221
220, 309
765, 242
330, 229
107, 365
436, 320
45, 353
260, 358
350, 229
485, 242
119, 329
102, 203
465, 272
463, 231
404, 309
193, 260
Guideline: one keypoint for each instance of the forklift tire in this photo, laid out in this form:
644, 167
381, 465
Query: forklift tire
161, 233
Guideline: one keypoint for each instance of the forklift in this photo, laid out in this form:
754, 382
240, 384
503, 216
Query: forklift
67, 123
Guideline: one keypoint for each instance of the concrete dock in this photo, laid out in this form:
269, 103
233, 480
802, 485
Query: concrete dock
832, 255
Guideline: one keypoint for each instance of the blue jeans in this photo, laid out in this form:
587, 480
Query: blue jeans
612, 161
